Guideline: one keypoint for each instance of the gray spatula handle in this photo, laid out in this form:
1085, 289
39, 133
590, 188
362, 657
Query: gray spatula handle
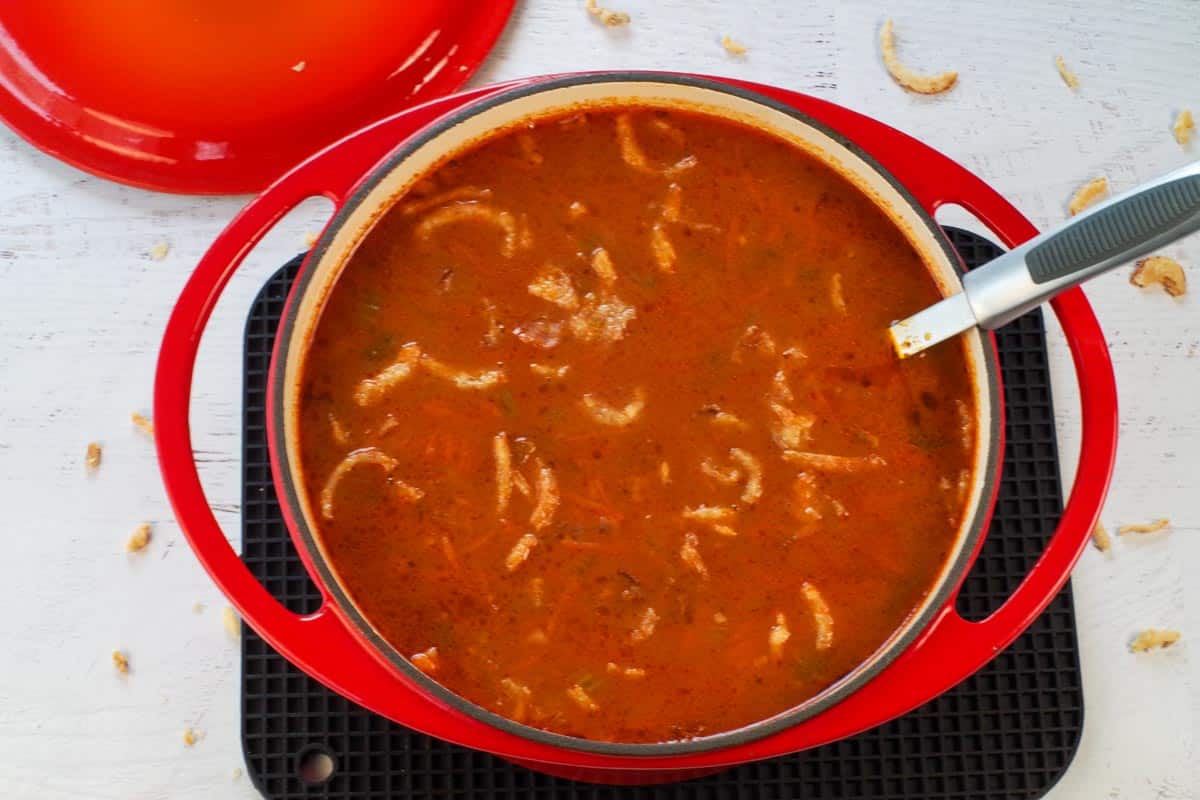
1108, 235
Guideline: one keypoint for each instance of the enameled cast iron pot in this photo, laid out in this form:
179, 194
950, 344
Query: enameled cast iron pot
363, 175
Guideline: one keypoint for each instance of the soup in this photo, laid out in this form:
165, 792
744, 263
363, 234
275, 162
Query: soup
601, 427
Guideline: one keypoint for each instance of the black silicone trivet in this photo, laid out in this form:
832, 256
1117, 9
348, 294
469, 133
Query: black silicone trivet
1008, 732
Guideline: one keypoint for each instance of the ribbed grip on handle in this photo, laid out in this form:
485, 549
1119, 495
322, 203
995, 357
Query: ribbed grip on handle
1112, 232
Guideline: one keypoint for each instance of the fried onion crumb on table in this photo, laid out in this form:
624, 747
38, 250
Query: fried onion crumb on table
908, 78
611, 19
1154, 639
139, 538
1087, 195
1161, 271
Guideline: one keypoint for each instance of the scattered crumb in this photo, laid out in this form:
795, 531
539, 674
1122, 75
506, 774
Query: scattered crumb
1068, 77
1184, 127
159, 251
197, 607
1153, 527
1167, 272
237, 773
612, 19
310, 239
91, 461
139, 538
1087, 195
232, 622
1152, 638
190, 737
120, 662
913, 81
1100, 537
299, 66
732, 47
142, 423
720, 618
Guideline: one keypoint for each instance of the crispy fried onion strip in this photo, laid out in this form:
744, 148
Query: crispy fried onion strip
913, 81
645, 626
366, 455
778, 636
494, 328
601, 319
1184, 127
633, 155
337, 430
602, 265
726, 476
371, 390
791, 430
504, 471
581, 698
1087, 195
464, 211
455, 195
520, 694
690, 554
1166, 272
704, 513
808, 500
546, 504
605, 414
823, 462
549, 372
724, 418
484, 379
836, 295
629, 672
610, 18
1152, 638
821, 615
1153, 527
426, 660
780, 391
1064, 72
753, 340
753, 490
520, 551
664, 252
553, 285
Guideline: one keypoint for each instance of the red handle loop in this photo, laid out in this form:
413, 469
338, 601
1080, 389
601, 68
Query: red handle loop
320, 640
952, 648
295, 636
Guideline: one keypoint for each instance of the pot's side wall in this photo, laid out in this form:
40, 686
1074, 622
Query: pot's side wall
485, 119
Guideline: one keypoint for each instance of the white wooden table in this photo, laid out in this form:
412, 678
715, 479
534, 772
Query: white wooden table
82, 307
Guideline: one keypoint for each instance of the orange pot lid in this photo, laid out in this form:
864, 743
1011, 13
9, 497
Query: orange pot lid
222, 96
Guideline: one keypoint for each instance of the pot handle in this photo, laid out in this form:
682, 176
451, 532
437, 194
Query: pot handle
937, 181
319, 639
952, 648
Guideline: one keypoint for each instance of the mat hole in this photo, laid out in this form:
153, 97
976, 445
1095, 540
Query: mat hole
315, 765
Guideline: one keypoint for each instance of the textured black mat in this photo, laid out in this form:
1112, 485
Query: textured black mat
1008, 732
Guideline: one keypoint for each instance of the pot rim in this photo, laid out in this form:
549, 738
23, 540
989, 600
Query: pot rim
985, 371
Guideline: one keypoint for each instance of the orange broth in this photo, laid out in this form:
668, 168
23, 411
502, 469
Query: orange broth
625, 452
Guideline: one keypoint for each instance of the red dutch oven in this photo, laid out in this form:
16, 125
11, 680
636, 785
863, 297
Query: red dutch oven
364, 174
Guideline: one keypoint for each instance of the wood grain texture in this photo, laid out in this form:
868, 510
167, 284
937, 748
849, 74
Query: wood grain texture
82, 307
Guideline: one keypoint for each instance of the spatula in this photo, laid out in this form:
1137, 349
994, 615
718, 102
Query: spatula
1103, 237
